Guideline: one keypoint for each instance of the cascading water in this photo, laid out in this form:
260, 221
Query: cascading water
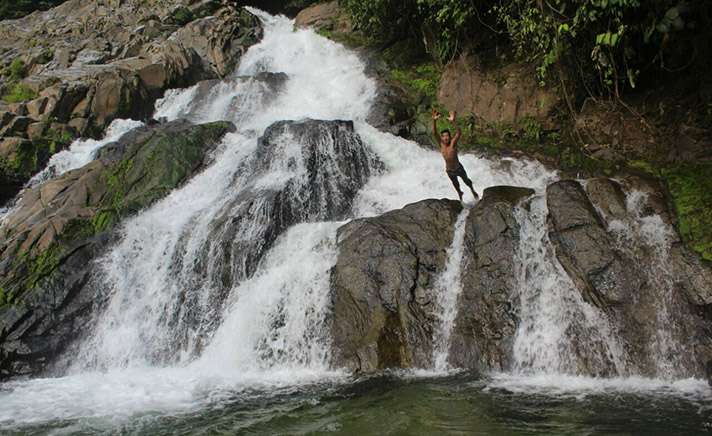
78, 154
171, 341
448, 289
649, 238
556, 326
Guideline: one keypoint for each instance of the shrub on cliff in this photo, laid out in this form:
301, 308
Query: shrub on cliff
19, 8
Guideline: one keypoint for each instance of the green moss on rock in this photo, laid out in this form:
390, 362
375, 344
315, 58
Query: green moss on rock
691, 187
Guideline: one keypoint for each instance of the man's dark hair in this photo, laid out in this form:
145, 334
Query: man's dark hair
445, 130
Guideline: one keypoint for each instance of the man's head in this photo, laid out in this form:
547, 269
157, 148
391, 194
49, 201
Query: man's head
445, 137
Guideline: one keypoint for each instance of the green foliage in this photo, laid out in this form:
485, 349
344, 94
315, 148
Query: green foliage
691, 187
20, 8
444, 23
421, 81
19, 92
180, 16
598, 46
16, 70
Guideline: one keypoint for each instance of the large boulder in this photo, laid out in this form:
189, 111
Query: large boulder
303, 171
48, 242
623, 255
383, 311
487, 319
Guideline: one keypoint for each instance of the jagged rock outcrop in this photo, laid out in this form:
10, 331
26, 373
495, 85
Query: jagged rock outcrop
654, 290
385, 313
383, 310
84, 64
637, 282
48, 242
277, 194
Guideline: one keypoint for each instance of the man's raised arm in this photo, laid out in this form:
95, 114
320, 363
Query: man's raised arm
458, 132
435, 116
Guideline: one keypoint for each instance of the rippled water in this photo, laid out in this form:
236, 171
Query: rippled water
402, 404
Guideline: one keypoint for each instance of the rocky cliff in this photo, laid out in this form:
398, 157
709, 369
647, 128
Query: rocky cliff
71, 70
383, 284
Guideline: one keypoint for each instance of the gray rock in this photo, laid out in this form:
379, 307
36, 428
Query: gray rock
383, 311
585, 248
16, 127
656, 298
486, 319
337, 166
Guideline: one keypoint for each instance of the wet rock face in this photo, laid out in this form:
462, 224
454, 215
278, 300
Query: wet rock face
587, 250
286, 185
625, 259
88, 64
486, 320
62, 225
385, 313
382, 286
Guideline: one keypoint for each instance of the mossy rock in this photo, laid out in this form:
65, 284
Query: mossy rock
152, 169
141, 168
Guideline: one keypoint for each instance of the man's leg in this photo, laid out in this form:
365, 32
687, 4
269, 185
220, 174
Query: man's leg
456, 184
468, 182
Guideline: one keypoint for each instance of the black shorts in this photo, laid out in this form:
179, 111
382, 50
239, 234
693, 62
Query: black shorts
457, 172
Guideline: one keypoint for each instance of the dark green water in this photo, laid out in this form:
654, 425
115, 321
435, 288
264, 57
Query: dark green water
391, 405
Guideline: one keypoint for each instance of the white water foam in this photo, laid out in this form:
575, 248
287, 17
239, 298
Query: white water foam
447, 289
78, 154
562, 386
551, 307
82, 151
644, 235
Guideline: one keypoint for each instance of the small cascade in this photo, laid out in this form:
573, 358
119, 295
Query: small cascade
447, 291
82, 151
79, 153
648, 239
558, 331
275, 320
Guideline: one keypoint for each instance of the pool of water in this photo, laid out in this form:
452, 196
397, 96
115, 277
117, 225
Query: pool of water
398, 404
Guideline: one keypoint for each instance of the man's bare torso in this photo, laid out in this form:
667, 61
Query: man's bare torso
450, 155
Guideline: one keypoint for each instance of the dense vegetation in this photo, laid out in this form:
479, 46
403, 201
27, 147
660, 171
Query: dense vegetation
10, 9
618, 51
601, 46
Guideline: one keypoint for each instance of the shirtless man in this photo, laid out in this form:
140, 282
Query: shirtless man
448, 147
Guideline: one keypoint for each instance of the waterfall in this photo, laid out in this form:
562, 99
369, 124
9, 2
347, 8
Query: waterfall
181, 329
556, 326
164, 280
648, 239
447, 290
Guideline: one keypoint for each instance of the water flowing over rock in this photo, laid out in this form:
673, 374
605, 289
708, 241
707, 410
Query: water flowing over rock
486, 319
630, 302
628, 262
62, 225
382, 286
315, 181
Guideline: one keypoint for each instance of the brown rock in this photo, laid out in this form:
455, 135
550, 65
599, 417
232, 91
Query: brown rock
507, 94
327, 15
36, 130
36, 107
